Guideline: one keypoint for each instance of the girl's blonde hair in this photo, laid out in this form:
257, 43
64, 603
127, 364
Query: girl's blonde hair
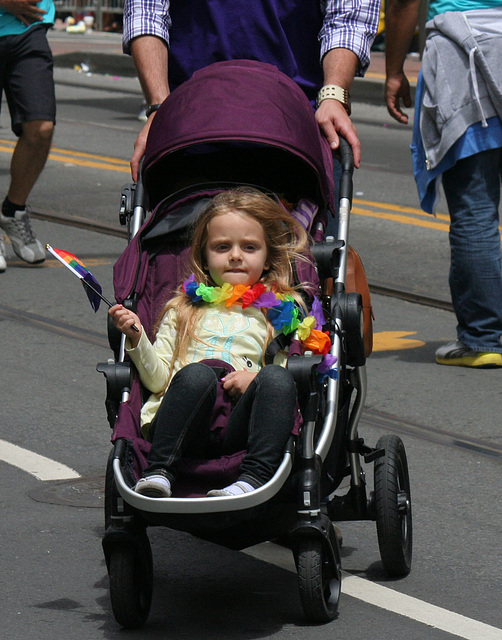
286, 242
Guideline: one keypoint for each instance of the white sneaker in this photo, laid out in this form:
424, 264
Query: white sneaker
3, 263
236, 489
154, 487
24, 242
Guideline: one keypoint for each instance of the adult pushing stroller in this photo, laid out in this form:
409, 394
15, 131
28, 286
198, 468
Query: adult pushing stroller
245, 123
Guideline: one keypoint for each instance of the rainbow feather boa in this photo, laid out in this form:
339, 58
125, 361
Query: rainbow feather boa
282, 313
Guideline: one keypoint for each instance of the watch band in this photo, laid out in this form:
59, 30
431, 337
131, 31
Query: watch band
334, 92
151, 109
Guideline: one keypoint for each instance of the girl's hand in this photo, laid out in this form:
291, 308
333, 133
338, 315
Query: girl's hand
237, 382
124, 319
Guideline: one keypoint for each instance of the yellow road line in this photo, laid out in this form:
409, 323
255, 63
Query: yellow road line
429, 222
81, 154
400, 208
78, 158
403, 219
89, 163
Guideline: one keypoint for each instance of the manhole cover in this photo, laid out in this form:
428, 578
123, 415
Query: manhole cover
84, 492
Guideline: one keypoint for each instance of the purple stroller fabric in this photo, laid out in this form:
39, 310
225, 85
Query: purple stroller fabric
246, 101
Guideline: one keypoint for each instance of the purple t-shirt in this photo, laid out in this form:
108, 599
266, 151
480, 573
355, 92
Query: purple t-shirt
280, 32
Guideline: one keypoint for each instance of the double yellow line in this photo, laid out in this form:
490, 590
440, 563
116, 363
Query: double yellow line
77, 158
406, 215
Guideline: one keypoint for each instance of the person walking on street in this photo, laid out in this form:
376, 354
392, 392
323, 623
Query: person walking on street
26, 76
457, 139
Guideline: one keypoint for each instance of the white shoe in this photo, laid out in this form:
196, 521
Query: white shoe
235, 489
21, 235
154, 487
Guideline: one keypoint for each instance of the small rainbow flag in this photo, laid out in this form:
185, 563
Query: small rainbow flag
78, 268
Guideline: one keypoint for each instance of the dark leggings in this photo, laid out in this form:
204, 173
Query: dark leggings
260, 422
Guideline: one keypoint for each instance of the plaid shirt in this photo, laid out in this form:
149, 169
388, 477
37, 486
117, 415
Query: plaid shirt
349, 25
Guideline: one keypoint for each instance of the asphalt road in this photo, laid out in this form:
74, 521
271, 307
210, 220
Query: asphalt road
53, 578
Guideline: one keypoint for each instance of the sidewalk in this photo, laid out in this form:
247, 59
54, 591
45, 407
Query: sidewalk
101, 53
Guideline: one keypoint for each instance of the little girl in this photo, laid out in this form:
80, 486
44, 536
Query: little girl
237, 299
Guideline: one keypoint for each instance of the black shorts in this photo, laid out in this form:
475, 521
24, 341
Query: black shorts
26, 76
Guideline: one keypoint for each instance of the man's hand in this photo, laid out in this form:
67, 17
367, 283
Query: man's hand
25, 10
339, 67
397, 88
139, 147
334, 121
236, 383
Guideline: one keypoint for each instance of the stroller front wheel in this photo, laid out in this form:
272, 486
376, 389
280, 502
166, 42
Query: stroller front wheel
319, 581
131, 584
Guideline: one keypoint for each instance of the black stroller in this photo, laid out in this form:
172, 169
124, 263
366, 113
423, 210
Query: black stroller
221, 129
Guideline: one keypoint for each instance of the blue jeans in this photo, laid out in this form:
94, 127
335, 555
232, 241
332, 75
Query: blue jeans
260, 422
472, 189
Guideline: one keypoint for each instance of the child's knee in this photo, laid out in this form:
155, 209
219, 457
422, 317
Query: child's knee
195, 376
278, 380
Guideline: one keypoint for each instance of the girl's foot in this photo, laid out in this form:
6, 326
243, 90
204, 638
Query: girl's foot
154, 487
235, 489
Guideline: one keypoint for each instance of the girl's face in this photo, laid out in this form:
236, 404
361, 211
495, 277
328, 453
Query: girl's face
236, 249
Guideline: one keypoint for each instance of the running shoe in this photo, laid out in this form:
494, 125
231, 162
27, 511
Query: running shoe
154, 487
457, 354
21, 235
235, 489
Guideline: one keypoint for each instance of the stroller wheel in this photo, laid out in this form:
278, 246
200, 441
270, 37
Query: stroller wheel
393, 507
131, 583
319, 581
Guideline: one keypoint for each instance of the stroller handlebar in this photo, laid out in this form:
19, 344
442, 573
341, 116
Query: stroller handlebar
346, 158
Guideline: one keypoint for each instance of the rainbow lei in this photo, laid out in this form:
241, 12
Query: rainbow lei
282, 313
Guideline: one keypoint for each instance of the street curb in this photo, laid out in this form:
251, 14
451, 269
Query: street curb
93, 65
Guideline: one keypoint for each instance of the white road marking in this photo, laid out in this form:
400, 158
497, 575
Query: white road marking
39, 466
388, 599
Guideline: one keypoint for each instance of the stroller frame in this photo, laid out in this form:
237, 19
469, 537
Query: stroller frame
329, 437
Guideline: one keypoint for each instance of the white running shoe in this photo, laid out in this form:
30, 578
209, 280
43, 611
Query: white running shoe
154, 487
24, 242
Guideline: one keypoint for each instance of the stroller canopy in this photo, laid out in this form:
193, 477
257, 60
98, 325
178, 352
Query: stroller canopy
243, 121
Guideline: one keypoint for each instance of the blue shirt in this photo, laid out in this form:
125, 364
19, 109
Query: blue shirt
12, 26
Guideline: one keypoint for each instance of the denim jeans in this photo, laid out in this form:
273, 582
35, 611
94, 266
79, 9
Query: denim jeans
260, 422
472, 189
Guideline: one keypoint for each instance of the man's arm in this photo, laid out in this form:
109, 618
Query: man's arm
150, 56
339, 67
146, 38
25, 10
346, 37
401, 20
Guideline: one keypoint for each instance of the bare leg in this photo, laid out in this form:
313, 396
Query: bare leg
29, 158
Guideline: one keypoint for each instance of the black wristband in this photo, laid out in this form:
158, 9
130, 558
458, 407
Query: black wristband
151, 109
